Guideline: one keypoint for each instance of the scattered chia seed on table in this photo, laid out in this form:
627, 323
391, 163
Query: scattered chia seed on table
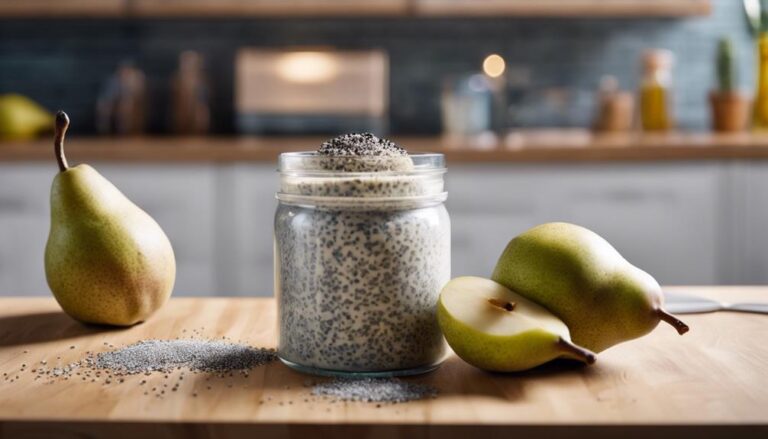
196, 355
391, 390
220, 357
357, 284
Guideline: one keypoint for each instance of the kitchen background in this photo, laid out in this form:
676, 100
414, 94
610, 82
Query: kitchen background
694, 219
65, 62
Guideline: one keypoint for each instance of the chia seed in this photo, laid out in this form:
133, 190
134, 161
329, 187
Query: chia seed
160, 356
196, 355
360, 144
363, 153
387, 390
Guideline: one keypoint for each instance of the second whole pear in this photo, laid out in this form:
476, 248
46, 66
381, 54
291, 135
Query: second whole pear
583, 280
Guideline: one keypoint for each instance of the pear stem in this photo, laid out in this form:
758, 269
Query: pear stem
62, 123
577, 352
678, 324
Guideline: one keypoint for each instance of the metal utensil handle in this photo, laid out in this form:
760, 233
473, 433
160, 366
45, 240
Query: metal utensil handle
759, 308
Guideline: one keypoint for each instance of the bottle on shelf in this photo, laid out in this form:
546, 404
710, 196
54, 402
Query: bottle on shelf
760, 107
655, 91
190, 111
121, 107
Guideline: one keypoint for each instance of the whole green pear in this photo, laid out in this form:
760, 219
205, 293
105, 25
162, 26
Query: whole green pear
492, 328
106, 260
22, 118
583, 280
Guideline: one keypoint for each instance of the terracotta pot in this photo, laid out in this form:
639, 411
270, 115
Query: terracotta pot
730, 111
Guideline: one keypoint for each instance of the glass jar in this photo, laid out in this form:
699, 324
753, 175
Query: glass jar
362, 249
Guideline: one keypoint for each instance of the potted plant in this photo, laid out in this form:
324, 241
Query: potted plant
730, 107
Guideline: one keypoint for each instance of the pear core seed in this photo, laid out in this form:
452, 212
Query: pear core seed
507, 306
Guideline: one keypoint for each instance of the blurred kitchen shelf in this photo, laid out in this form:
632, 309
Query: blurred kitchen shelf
420, 8
564, 8
62, 8
155, 8
523, 148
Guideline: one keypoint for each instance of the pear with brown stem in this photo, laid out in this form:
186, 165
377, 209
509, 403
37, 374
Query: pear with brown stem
579, 277
106, 261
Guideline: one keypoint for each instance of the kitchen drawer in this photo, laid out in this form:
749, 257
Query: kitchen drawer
24, 224
488, 206
25, 189
500, 189
662, 218
247, 193
478, 239
751, 223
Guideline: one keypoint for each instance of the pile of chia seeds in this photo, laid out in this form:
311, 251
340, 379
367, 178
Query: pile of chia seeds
172, 359
365, 144
195, 355
384, 390
363, 153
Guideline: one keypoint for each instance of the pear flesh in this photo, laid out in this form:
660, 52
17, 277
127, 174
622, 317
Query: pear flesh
492, 328
106, 260
583, 280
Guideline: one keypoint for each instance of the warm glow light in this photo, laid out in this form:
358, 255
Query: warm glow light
307, 67
494, 65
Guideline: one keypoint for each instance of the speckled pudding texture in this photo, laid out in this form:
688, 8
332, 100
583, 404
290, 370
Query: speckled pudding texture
357, 284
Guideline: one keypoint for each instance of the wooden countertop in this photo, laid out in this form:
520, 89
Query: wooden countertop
565, 146
709, 383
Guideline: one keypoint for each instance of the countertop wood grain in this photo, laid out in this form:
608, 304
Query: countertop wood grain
711, 382
545, 146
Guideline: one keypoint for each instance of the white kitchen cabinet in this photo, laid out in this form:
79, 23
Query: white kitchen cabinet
489, 205
247, 206
750, 189
181, 199
663, 218
24, 222
693, 223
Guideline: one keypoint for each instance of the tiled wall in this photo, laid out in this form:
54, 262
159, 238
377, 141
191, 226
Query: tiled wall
63, 64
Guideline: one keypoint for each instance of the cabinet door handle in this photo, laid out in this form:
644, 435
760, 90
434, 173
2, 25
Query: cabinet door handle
626, 195
514, 208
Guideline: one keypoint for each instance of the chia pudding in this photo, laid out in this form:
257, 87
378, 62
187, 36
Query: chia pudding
362, 249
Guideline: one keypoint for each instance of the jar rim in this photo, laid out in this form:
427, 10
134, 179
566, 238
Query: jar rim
362, 203
309, 163
347, 182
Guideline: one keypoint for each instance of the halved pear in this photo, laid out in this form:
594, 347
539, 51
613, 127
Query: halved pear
492, 328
